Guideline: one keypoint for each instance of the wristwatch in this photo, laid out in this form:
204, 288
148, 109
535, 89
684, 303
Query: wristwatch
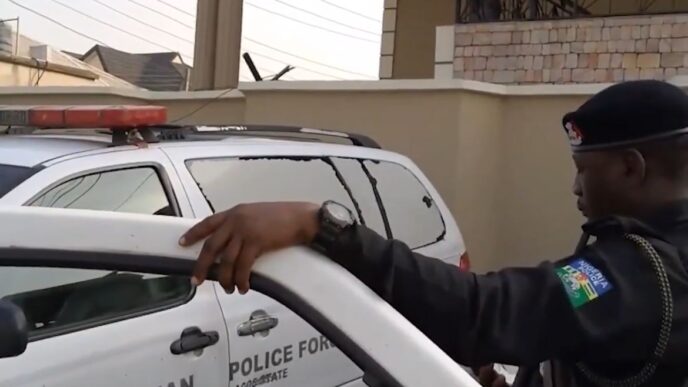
333, 219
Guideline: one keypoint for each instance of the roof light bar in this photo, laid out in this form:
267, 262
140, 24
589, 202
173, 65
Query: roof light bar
61, 117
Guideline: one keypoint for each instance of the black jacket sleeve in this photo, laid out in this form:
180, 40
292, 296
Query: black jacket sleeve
594, 306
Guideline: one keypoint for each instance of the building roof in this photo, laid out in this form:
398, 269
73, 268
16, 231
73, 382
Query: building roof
23, 49
162, 71
72, 54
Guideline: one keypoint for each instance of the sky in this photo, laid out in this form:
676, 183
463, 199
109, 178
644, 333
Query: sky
323, 39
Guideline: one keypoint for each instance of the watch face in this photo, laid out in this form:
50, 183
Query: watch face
339, 214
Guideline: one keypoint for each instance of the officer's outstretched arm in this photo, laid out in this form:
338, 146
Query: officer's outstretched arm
569, 309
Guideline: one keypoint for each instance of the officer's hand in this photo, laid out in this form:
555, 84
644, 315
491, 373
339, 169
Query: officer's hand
238, 236
488, 377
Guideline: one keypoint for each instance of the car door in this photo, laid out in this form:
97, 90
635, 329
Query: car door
103, 318
263, 334
384, 345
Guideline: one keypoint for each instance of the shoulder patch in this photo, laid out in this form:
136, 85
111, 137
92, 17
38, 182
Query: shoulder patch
583, 282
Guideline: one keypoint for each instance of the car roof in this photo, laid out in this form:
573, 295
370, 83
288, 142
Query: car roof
29, 151
36, 149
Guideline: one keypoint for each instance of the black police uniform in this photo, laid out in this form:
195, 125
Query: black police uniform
615, 313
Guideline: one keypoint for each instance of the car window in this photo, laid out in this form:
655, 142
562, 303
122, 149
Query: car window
227, 182
362, 190
132, 190
59, 300
412, 213
11, 176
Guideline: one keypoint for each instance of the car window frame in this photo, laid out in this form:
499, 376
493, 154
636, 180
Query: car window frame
171, 197
373, 186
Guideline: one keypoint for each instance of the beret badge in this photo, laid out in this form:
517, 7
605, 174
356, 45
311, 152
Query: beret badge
574, 133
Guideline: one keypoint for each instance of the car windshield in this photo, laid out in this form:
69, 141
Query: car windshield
11, 176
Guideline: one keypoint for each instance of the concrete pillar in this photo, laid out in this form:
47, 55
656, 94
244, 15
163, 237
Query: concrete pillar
218, 44
204, 47
408, 49
389, 22
228, 43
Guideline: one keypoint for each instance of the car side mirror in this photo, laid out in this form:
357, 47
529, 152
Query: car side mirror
14, 331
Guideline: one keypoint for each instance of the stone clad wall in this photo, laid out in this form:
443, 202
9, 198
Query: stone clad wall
573, 51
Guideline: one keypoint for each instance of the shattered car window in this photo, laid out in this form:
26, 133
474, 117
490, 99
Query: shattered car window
412, 213
227, 182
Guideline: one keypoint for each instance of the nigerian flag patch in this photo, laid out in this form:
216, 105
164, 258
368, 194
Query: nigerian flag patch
583, 282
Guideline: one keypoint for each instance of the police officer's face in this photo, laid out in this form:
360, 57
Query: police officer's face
602, 184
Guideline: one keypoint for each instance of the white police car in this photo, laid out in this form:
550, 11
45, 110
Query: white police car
137, 352
109, 328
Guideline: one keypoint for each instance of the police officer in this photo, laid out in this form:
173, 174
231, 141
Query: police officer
614, 313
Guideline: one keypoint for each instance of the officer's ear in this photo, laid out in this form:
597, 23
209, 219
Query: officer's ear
635, 166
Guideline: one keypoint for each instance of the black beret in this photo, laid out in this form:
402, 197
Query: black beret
628, 113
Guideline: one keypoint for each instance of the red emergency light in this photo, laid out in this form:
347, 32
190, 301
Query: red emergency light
91, 116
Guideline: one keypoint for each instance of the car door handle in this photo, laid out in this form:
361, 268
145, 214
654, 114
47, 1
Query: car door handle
260, 322
193, 339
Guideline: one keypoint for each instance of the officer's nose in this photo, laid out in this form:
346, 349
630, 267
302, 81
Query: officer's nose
577, 189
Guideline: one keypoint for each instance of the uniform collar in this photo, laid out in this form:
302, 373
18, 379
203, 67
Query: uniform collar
666, 217
669, 215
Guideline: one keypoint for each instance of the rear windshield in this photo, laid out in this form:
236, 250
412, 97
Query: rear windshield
11, 176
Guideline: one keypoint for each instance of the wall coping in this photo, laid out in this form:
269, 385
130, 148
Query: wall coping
333, 86
139, 94
587, 21
439, 84
49, 66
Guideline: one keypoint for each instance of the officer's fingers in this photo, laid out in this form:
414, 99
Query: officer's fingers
486, 370
500, 382
226, 275
487, 375
202, 229
227, 264
210, 251
243, 265
476, 370
233, 248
